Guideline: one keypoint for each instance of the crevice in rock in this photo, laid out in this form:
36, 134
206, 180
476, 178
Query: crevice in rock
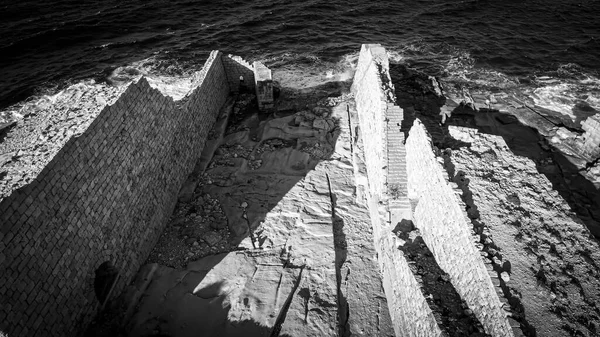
286, 306
591, 164
340, 244
350, 129
563, 125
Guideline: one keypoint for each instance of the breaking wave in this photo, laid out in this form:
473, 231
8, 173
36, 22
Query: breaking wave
568, 89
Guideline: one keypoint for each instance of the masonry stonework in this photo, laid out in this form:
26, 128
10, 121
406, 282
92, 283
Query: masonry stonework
236, 69
446, 230
105, 196
264, 86
384, 156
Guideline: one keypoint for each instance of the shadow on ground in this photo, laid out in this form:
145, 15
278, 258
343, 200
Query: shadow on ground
221, 275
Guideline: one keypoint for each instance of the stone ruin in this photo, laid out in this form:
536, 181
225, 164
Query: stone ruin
338, 217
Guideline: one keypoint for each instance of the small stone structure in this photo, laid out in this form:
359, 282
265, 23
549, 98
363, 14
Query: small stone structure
409, 311
264, 86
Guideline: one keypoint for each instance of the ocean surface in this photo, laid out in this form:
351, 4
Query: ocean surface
549, 47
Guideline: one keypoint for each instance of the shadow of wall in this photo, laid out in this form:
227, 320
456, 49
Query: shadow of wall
522, 141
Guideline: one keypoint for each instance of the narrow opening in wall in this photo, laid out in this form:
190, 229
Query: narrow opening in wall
105, 280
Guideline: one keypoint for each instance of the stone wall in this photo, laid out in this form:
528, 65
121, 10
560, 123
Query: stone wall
371, 104
264, 86
409, 310
379, 124
396, 179
105, 196
440, 216
235, 67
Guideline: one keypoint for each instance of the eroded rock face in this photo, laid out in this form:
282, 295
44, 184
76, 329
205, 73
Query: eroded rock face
573, 136
531, 192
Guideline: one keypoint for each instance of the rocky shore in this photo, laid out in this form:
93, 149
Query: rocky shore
529, 180
565, 149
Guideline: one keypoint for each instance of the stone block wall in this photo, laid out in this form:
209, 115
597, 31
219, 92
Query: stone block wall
446, 230
396, 179
235, 67
105, 196
409, 310
379, 124
371, 105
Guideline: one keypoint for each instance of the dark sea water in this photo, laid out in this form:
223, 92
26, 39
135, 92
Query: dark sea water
553, 45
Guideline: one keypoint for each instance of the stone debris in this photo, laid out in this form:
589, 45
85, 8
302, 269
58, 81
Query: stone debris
198, 228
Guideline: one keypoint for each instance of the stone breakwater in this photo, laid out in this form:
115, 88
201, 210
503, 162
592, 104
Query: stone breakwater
329, 211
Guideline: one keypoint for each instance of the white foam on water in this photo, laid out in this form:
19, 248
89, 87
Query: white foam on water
568, 96
169, 78
569, 90
293, 70
92, 96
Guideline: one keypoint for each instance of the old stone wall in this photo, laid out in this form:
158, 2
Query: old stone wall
371, 104
235, 67
398, 203
105, 196
440, 216
409, 310
379, 124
